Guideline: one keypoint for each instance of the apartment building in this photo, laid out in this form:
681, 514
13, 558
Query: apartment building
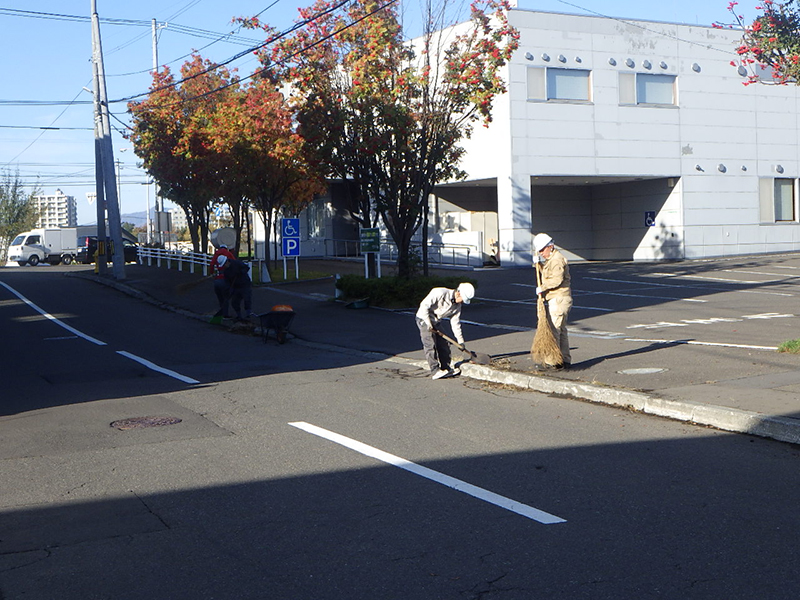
56, 210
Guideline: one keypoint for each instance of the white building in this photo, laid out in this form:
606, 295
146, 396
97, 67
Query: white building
56, 210
630, 140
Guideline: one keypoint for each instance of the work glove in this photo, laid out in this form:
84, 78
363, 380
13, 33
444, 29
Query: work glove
539, 291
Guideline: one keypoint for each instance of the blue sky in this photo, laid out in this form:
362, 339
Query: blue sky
46, 58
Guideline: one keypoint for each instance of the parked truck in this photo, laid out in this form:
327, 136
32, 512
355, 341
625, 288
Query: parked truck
52, 245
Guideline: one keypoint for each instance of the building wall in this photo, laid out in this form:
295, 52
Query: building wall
596, 167
56, 210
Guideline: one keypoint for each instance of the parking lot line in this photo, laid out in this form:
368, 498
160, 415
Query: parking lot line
451, 482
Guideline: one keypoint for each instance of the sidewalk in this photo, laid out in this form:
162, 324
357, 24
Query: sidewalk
724, 388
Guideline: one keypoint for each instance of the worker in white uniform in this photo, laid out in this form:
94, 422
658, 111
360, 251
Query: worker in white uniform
442, 303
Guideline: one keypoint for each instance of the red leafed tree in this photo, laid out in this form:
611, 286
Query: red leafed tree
770, 43
268, 161
386, 113
171, 135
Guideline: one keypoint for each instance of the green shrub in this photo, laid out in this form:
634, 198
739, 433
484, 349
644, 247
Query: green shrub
393, 292
792, 346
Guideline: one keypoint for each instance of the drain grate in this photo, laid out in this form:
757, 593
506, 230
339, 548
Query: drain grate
142, 422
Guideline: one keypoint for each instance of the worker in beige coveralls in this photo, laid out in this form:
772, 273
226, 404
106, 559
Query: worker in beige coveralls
555, 289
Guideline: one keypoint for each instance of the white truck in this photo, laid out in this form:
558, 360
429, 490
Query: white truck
53, 245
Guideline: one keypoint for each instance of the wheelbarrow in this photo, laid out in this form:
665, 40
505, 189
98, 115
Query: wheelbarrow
277, 319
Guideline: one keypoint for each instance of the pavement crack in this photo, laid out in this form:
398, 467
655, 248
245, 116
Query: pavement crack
150, 510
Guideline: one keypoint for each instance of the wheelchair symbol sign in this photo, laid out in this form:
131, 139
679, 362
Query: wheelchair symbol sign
649, 218
290, 227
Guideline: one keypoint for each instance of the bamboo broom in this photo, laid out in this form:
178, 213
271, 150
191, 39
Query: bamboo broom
545, 349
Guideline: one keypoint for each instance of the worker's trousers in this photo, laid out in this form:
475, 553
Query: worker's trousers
437, 350
558, 311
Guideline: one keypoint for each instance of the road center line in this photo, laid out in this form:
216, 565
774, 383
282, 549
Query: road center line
51, 317
155, 367
451, 482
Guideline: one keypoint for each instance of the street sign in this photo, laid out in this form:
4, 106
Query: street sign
290, 234
291, 246
370, 240
290, 227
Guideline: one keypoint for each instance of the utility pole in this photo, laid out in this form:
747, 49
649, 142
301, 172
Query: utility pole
156, 208
98, 179
106, 151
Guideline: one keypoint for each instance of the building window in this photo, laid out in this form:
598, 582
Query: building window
778, 200
784, 200
647, 89
559, 84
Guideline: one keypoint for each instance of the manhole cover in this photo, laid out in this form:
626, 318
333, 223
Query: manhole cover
141, 422
644, 371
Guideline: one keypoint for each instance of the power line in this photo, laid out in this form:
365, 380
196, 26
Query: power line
250, 50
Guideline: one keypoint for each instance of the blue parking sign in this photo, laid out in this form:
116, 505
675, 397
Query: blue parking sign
291, 246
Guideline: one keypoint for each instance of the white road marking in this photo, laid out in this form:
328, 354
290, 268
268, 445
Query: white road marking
698, 287
88, 338
642, 296
696, 343
155, 367
782, 277
51, 317
708, 321
451, 482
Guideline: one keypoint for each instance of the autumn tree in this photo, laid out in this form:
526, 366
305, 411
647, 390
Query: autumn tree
171, 134
770, 43
268, 162
17, 210
388, 114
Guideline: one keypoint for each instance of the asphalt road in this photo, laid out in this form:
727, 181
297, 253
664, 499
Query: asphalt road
254, 494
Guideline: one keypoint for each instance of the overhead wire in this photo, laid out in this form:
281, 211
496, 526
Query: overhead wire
44, 131
250, 50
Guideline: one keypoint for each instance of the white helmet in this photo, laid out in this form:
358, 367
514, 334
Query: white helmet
467, 291
541, 241
221, 260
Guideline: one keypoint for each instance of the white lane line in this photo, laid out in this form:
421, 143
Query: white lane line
781, 277
51, 317
155, 367
89, 338
641, 296
451, 482
690, 287
696, 343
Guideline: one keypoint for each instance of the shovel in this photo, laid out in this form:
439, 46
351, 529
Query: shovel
479, 358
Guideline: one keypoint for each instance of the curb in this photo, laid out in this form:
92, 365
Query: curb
782, 429
778, 428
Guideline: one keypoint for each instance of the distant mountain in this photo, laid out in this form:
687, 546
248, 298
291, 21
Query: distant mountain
137, 219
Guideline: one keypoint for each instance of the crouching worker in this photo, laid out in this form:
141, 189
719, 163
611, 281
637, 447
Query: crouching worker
439, 304
241, 288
